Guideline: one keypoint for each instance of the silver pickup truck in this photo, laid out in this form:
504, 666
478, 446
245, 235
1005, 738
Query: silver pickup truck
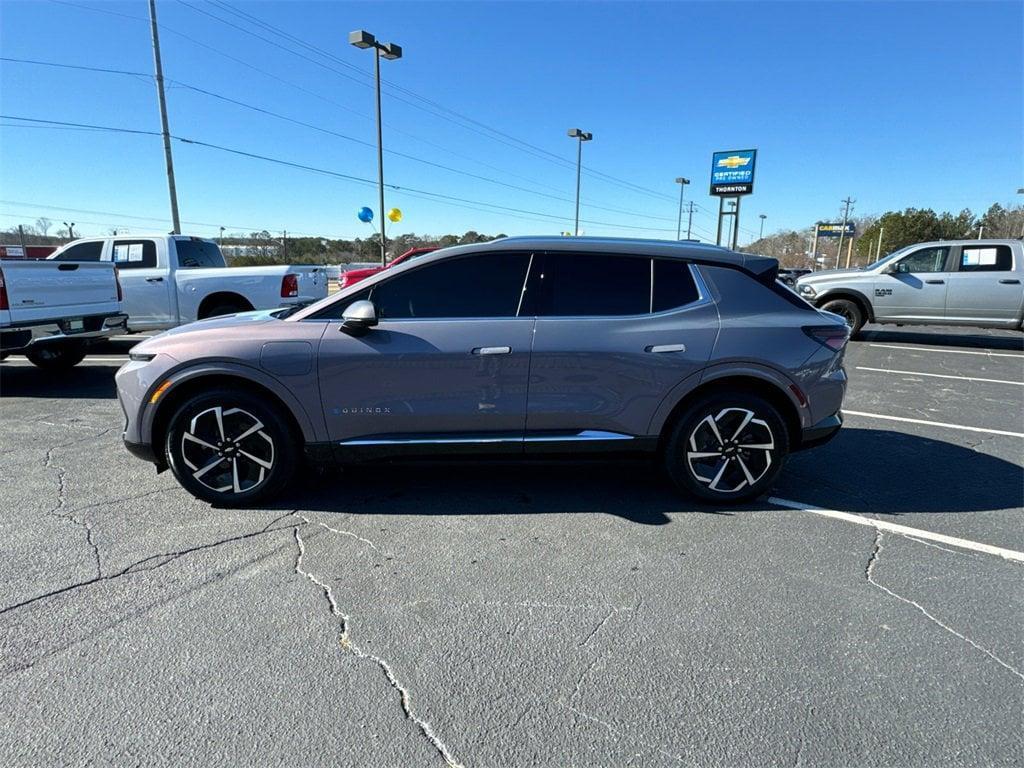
952, 282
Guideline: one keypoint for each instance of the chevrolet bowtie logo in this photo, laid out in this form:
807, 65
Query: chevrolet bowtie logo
734, 161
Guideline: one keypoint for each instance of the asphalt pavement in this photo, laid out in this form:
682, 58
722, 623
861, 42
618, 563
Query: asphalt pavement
868, 612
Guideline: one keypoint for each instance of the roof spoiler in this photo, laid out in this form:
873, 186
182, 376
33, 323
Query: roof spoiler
764, 269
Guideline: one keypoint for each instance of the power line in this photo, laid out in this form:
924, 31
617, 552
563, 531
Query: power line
437, 196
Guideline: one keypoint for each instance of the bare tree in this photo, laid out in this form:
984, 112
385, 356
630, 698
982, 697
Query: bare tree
43, 225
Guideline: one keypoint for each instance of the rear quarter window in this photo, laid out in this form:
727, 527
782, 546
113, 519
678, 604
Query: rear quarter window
196, 254
986, 258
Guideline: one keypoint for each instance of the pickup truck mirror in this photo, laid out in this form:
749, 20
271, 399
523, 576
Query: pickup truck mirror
359, 316
900, 268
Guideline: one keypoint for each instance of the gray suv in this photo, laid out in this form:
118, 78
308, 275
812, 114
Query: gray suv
521, 347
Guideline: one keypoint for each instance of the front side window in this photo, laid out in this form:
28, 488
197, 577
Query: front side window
589, 285
924, 260
198, 253
485, 285
82, 252
986, 258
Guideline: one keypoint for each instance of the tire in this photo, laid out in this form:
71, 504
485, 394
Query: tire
57, 356
222, 309
704, 453
207, 427
849, 310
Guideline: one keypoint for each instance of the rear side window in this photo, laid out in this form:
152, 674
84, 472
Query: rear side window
485, 285
198, 253
673, 285
986, 258
134, 254
82, 252
587, 285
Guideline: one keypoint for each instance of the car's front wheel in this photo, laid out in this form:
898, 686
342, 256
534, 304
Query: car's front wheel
727, 448
230, 448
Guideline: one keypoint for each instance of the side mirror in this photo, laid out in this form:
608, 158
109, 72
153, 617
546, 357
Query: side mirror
903, 268
359, 316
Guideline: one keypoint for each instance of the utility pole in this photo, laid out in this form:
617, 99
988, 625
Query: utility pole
842, 232
878, 250
21, 236
172, 190
285, 243
689, 222
679, 223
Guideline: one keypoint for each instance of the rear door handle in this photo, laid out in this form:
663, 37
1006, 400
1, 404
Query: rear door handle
666, 348
935, 282
154, 279
1010, 281
492, 350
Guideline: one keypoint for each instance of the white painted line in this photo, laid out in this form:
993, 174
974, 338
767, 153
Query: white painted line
984, 353
940, 376
904, 530
933, 423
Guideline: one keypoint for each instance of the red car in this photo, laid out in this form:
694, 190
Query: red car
353, 276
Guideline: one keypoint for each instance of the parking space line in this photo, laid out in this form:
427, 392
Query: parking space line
905, 530
933, 423
984, 353
940, 375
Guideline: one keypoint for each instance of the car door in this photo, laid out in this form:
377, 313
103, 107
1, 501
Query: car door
146, 287
614, 334
986, 286
447, 363
914, 287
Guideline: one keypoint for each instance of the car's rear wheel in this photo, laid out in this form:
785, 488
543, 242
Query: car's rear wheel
230, 448
57, 355
727, 448
849, 311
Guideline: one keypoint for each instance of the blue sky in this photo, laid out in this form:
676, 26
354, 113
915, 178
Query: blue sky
894, 104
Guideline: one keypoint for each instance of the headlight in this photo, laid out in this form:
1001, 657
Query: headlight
140, 357
806, 290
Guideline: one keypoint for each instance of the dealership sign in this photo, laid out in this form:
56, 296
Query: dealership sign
835, 230
732, 173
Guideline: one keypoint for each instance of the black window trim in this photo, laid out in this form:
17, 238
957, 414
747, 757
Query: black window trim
703, 292
115, 241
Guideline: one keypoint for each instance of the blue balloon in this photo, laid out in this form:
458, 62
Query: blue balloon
365, 214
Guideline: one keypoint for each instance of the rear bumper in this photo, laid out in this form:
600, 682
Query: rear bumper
822, 432
92, 328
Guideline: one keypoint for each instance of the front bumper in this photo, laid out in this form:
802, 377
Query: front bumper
142, 451
822, 432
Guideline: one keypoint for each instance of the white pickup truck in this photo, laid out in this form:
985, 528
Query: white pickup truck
52, 311
169, 280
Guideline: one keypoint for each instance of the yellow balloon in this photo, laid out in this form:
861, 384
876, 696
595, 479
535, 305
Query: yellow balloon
395, 215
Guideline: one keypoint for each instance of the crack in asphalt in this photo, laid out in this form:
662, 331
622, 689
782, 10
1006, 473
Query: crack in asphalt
347, 643
150, 563
57, 511
869, 575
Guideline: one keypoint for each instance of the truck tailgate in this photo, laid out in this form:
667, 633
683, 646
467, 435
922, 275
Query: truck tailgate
45, 290
312, 281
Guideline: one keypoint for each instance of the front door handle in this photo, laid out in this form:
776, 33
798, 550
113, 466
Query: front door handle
1010, 281
935, 282
154, 279
666, 348
492, 350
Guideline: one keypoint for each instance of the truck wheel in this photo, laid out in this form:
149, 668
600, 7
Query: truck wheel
727, 448
56, 356
849, 311
230, 448
222, 309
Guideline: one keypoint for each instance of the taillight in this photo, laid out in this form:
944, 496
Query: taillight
343, 281
832, 336
289, 286
117, 280
4, 303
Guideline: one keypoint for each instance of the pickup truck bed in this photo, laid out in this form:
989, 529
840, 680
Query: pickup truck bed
51, 310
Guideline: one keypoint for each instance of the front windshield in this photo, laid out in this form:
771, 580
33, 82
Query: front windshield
885, 259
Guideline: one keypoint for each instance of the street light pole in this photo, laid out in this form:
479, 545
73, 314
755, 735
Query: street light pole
762, 217
391, 51
842, 232
71, 230
580, 136
679, 224
1020, 191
